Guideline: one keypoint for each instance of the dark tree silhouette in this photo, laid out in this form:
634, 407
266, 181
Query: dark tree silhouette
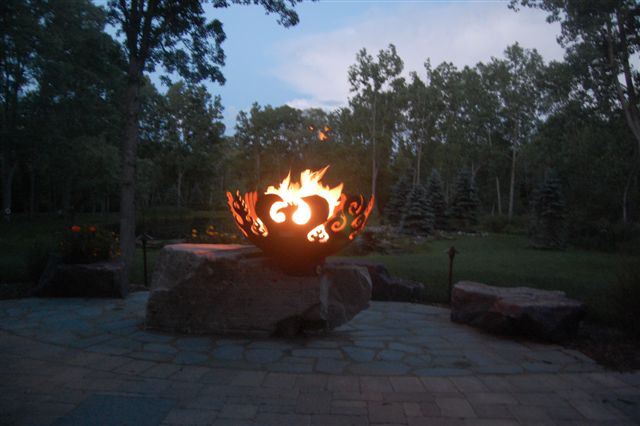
177, 36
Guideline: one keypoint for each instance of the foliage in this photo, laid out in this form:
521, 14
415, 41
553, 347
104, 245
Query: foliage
625, 298
212, 236
37, 257
435, 198
548, 227
87, 244
464, 207
395, 207
418, 214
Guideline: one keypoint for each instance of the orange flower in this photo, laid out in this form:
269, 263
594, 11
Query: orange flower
75, 228
92, 229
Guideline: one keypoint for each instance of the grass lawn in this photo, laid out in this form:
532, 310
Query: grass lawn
505, 260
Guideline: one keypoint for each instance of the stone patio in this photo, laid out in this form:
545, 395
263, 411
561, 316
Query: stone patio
89, 361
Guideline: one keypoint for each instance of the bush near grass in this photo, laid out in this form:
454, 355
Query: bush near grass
625, 298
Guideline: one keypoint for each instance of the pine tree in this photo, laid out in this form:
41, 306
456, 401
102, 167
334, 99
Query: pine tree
464, 207
435, 197
394, 209
547, 228
418, 215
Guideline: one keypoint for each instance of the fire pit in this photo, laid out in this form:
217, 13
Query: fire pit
228, 289
299, 224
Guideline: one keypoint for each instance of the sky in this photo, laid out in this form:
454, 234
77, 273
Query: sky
306, 65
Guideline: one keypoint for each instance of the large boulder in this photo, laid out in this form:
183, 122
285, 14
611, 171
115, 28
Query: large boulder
544, 314
99, 279
230, 289
386, 287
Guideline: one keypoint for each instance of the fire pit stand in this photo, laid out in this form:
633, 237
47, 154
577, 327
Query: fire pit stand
234, 289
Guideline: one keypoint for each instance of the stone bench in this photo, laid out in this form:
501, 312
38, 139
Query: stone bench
544, 314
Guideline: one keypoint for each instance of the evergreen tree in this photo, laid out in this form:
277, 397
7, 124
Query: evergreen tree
435, 197
547, 227
465, 203
418, 215
394, 209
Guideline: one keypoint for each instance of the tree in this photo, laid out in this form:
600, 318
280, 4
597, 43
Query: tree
394, 210
424, 107
547, 226
178, 37
193, 129
602, 39
372, 81
464, 208
516, 83
418, 215
435, 197
20, 37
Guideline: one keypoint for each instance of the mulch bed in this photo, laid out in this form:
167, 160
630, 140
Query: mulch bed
15, 290
609, 347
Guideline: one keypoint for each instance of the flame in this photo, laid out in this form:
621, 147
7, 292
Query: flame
292, 194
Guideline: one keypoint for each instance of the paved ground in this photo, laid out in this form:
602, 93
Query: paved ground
80, 361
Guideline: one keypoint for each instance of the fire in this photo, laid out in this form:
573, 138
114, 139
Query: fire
292, 194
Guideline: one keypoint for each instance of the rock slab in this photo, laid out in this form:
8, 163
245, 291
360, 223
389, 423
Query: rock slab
384, 286
544, 314
99, 279
232, 289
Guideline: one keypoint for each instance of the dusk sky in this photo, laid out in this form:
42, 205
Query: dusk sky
306, 66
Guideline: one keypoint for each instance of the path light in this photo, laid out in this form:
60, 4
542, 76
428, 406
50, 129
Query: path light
299, 224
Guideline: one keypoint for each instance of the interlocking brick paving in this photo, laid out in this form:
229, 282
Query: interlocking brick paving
90, 361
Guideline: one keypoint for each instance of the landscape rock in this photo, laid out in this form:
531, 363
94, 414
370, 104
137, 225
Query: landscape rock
99, 279
386, 287
233, 289
544, 314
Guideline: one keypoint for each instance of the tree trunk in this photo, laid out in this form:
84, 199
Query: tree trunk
418, 166
627, 189
179, 189
374, 165
512, 184
129, 153
32, 191
7, 185
499, 196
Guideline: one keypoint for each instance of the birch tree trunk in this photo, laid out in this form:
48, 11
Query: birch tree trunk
7, 172
512, 184
499, 196
129, 155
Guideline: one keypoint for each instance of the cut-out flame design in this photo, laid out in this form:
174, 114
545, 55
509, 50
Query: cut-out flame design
299, 224
292, 194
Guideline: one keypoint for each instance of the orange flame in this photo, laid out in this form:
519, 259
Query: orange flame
292, 193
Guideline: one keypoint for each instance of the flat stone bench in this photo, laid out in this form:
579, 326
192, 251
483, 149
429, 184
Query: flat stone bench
544, 314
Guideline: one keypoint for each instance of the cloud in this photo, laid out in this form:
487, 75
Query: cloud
463, 33
306, 103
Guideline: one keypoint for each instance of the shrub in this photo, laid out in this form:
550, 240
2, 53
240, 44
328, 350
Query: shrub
211, 236
435, 196
548, 227
87, 244
625, 298
394, 209
464, 207
37, 258
418, 215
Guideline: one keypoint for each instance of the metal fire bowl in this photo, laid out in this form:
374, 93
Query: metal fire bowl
290, 245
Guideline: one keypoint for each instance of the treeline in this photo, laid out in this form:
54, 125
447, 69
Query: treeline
507, 123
